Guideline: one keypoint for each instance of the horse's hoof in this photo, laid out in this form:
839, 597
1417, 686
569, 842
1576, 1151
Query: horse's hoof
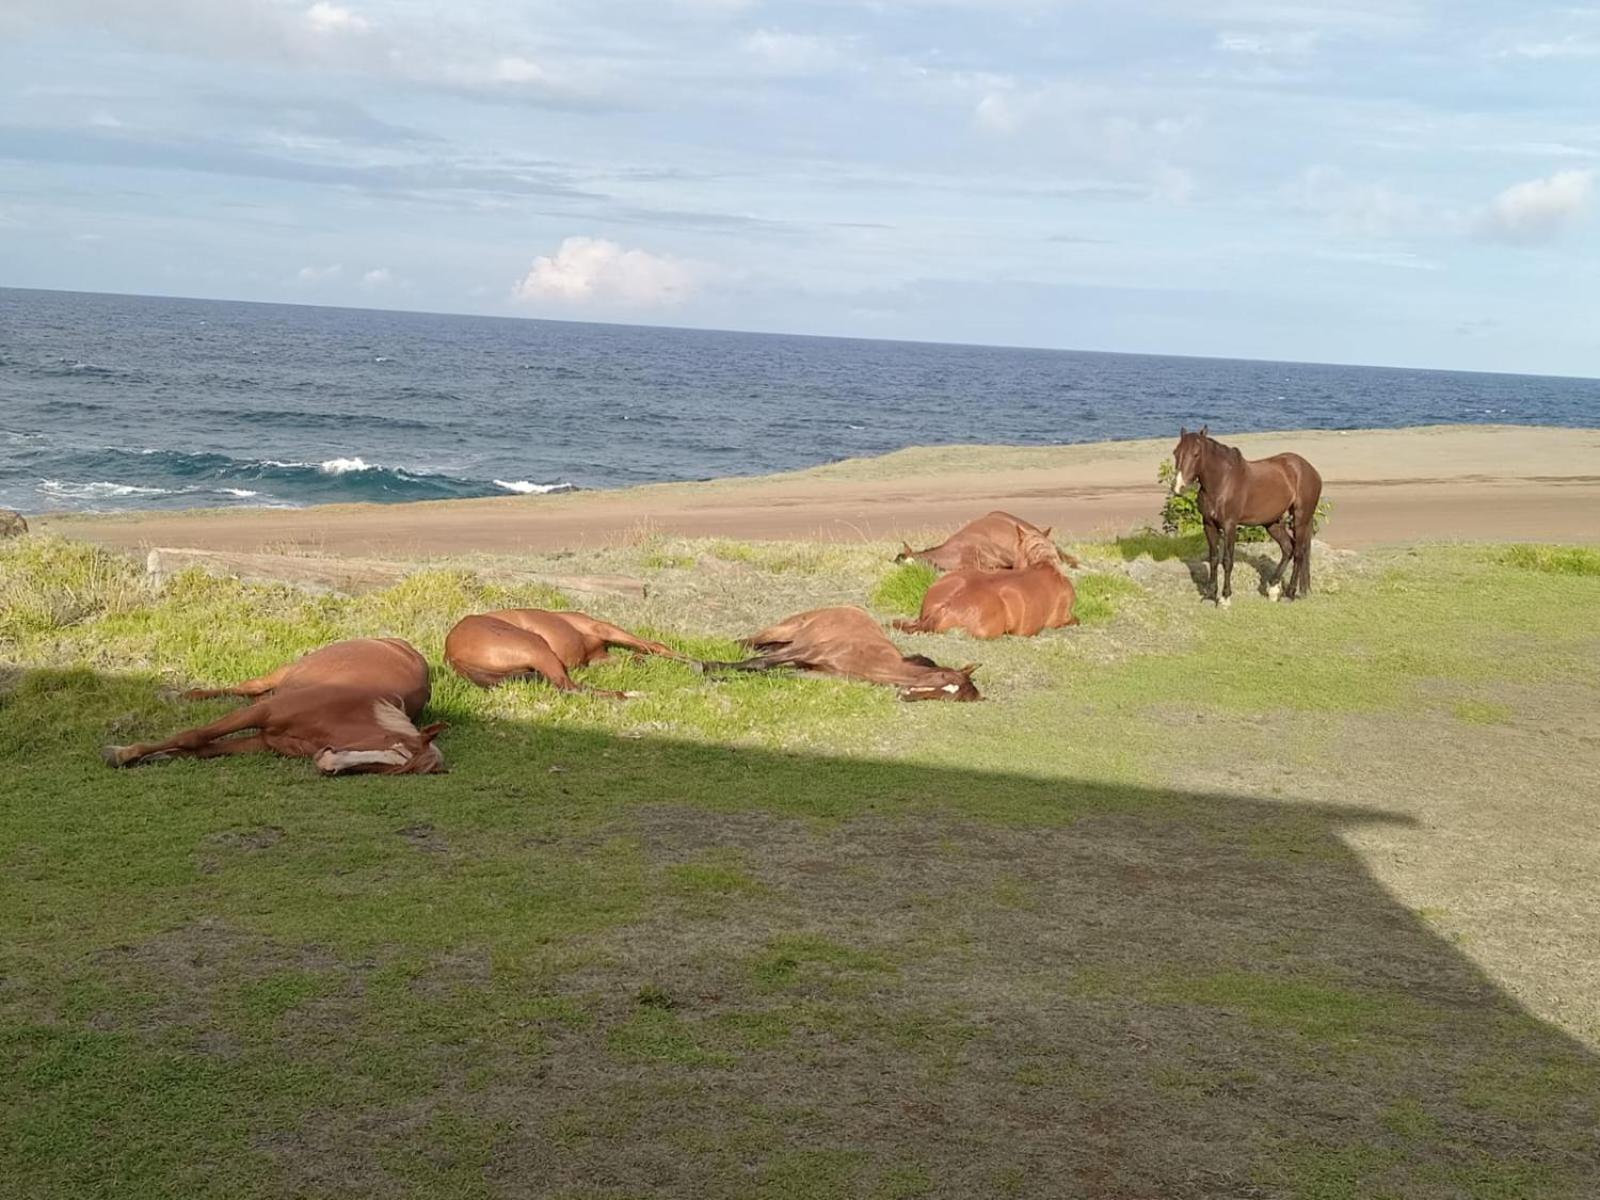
112, 756
1225, 602
1274, 592
630, 695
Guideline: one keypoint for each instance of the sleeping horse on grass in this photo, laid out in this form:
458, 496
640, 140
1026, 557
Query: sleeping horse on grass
1032, 596
848, 643
1280, 493
350, 707
989, 544
531, 643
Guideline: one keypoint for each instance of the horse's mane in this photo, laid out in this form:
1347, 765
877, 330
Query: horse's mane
1231, 452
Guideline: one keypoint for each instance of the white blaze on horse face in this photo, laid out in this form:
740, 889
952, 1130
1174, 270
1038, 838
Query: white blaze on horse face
332, 761
1177, 482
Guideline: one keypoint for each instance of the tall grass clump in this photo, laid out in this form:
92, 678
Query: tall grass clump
49, 583
1553, 560
902, 589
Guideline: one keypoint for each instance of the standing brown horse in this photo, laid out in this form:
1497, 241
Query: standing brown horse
1280, 493
350, 707
848, 642
989, 544
525, 643
1032, 596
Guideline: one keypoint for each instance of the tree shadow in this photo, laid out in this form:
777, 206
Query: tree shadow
583, 964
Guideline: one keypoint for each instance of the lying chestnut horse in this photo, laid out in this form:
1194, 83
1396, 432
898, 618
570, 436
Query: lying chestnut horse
847, 642
1023, 600
524, 643
1280, 493
350, 707
989, 544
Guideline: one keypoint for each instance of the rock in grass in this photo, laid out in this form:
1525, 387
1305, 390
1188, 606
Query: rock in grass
11, 523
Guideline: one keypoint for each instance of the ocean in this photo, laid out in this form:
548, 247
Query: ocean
129, 402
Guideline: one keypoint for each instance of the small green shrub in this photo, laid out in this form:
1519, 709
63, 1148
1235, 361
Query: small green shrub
902, 589
1553, 560
1180, 513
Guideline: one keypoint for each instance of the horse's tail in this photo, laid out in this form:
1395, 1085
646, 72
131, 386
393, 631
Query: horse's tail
761, 662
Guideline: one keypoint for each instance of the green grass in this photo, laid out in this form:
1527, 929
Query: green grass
788, 937
1553, 560
1100, 595
902, 589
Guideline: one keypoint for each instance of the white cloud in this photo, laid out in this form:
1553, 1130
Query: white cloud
1372, 210
588, 270
377, 277
1294, 43
784, 53
466, 55
320, 274
1571, 46
1538, 209
330, 18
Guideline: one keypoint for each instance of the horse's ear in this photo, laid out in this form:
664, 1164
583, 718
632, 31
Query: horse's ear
429, 732
968, 669
1045, 532
1183, 431
1204, 429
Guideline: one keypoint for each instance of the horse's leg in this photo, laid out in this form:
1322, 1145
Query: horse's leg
762, 662
1213, 540
1280, 534
1303, 545
190, 741
1230, 531
259, 686
613, 636
239, 745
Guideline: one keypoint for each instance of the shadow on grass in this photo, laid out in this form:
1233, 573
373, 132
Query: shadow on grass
586, 965
1191, 550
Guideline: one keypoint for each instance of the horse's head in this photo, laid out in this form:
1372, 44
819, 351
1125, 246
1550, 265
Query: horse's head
943, 683
1186, 457
1035, 546
389, 745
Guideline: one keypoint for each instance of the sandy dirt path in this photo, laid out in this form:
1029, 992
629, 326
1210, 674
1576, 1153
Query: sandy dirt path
1502, 483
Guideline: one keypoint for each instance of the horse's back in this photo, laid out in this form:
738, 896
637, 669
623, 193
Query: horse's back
1305, 478
388, 665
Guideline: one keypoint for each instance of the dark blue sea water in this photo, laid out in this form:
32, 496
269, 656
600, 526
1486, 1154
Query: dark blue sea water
114, 402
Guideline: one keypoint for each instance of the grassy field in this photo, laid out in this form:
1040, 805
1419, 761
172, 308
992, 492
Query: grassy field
1278, 901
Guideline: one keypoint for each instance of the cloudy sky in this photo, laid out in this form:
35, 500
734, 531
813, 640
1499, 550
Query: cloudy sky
1388, 181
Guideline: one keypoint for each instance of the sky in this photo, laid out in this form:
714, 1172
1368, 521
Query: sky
1397, 182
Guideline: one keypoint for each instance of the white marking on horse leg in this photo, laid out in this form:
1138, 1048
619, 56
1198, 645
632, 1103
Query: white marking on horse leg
1274, 590
1224, 601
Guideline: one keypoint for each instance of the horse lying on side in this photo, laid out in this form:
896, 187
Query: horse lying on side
1032, 596
989, 544
350, 707
847, 642
1280, 493
526, 643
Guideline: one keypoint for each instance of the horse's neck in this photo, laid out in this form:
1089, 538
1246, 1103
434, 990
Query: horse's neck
902, 672
1215, 460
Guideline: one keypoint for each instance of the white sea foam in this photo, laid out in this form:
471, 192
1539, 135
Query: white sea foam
97, 490
534, 489
242, 493
338, 466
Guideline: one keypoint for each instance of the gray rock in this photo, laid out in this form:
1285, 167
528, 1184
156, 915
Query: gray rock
11, 523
